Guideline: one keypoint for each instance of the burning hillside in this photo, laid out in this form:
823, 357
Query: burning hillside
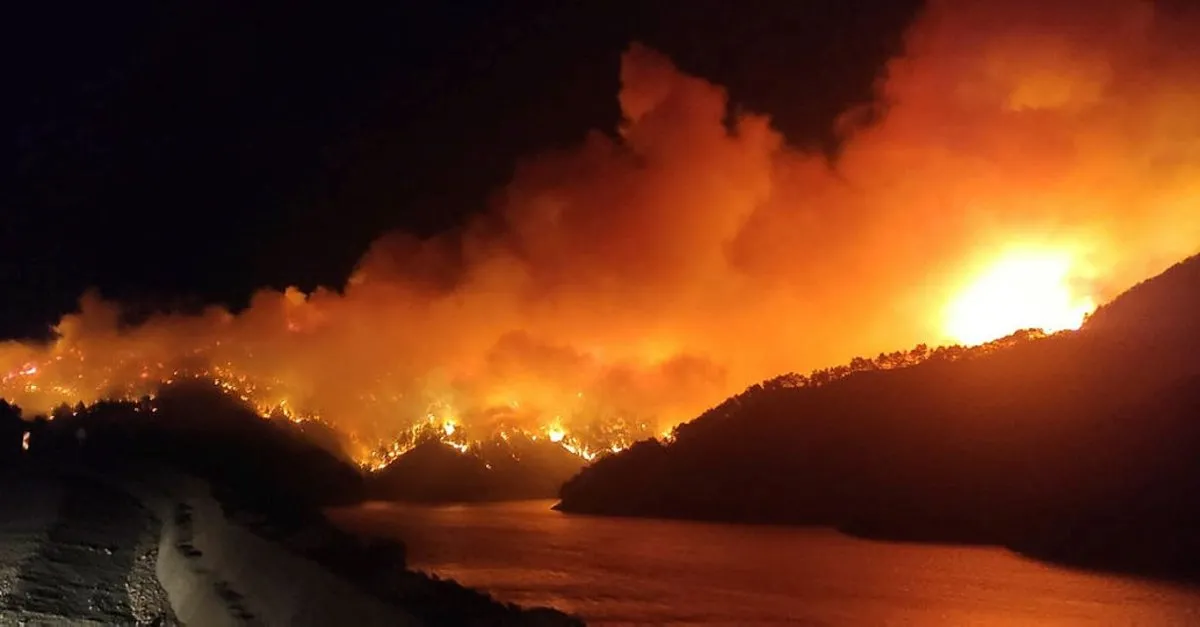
1024, 161
64, 379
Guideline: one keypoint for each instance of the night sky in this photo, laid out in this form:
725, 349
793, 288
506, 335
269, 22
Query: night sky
188, 152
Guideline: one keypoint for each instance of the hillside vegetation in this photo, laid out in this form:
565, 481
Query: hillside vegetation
1082, 447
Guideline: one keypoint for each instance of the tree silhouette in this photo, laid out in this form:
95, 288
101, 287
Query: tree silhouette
12, 430
1077, 446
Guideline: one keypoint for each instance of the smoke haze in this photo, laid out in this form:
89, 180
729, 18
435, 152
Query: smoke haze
646, 274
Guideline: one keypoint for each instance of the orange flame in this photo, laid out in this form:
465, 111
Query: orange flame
625, 284
1019, 291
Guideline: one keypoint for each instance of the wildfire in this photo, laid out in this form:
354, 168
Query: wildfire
1022, 290
450, 435
41, 387
620, 286
439, 422
583, 451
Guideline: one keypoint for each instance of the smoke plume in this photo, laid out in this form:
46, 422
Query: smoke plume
641, 278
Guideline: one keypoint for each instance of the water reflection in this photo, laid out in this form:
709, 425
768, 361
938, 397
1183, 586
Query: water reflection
627, 571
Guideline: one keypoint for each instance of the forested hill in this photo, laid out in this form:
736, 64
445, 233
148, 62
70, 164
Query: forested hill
1080, 446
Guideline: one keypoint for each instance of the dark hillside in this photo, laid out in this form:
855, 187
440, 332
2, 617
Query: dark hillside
1031, 441
516, 468
195, 428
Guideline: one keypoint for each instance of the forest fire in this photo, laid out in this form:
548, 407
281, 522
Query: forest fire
1026, 163
48, 388
1021, 290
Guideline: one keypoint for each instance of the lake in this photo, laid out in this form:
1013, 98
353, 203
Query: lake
619, 571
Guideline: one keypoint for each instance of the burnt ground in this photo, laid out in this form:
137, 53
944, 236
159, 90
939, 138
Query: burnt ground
74, 551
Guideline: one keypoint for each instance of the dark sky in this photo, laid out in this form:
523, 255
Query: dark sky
174, 152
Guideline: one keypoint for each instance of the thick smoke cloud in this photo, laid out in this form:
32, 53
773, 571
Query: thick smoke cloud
648, 276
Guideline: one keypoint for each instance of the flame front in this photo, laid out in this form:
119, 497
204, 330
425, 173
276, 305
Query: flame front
41, 387
1021, 290
624, 285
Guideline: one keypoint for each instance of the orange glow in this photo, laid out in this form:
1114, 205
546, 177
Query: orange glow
1034, 158
1019, 291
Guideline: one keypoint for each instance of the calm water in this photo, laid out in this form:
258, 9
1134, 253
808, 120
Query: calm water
614, 571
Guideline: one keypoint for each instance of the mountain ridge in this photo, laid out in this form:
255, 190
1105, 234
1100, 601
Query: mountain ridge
1032, 443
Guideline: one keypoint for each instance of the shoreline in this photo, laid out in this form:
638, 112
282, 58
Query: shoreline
333, 576
1062, 558
214, 563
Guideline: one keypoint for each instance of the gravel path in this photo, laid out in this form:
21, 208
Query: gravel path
76, 552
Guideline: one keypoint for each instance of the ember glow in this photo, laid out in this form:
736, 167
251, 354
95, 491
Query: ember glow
1022, 290
621, 286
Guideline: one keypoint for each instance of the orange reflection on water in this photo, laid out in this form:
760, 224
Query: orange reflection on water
614, 571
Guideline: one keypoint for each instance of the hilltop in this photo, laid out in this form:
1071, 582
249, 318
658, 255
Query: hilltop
495, 470
268, 479
1081, 446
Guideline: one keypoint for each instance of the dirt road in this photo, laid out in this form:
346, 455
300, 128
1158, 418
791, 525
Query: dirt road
75, 551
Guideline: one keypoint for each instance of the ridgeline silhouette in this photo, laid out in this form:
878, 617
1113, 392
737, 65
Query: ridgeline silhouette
1078, 447
299, 466
433, 472
272, 476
